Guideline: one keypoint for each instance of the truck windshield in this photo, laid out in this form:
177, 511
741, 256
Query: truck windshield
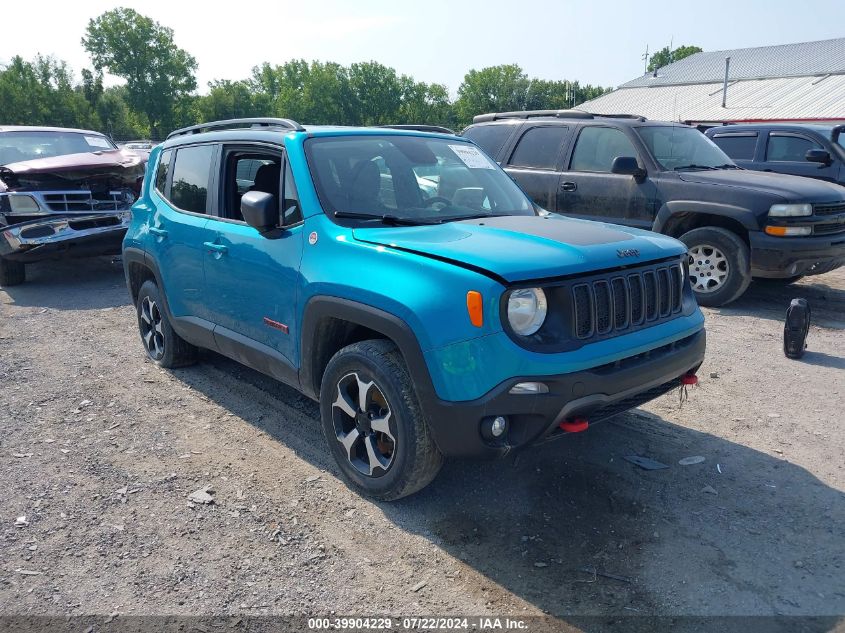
19, 146
680, 148
410, 179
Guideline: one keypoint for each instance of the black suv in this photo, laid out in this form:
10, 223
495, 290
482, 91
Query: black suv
815, 151
672, 179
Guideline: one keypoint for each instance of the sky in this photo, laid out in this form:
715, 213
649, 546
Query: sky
599, 42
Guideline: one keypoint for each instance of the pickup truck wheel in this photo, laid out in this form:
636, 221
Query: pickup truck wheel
164, 347
12, 273
373, 423
719, 265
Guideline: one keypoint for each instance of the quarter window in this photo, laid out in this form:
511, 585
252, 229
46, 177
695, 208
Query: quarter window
737, 146
189, 189
539, 147
291, 211
789, 148
161, 170
598, 146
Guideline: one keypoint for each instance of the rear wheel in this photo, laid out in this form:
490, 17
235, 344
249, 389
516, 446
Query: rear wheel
719, 265
373, 423
11, 273
164, 347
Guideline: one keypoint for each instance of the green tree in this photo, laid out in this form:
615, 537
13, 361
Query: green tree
494, 89
665, 56
157, 72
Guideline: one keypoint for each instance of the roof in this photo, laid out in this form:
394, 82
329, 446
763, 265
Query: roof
793, 98
805, 59
39, 128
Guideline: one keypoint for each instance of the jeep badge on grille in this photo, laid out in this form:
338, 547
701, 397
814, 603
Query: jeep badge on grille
628, 252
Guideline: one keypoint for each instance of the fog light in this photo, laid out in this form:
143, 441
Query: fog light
529, 387
494, 428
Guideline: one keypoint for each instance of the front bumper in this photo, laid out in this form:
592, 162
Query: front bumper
65, 236
595, 394
782, 257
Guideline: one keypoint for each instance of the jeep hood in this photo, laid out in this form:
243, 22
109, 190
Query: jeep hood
49, 172
789, 188
521, 248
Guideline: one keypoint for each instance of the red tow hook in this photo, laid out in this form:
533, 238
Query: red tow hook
574, 426
689, 379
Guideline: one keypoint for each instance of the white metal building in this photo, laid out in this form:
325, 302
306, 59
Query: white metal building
792, 82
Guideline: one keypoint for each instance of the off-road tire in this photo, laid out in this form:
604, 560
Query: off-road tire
738, 261
12, 273
416, 459
175, 351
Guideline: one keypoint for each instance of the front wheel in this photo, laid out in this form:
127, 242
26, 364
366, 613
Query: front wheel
373, 423
719, 265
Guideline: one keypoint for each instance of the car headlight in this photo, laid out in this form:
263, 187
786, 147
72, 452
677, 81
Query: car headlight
790, 210
19, 203
527, 310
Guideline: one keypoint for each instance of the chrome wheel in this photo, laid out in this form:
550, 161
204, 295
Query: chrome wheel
151, 330
363, 425
708, 268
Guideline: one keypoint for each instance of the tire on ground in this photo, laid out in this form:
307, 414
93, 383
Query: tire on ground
738, 258
12, 273
177, 351
416, 459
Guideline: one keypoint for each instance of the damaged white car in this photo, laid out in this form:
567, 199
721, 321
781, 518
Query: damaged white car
63, 193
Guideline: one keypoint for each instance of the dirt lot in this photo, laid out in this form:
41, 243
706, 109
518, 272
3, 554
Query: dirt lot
100, 450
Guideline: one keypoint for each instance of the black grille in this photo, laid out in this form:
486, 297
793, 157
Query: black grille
616, 304
829, 228
87, 201
829, 209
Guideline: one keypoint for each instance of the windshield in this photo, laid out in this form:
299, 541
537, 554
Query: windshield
19, 146
410, 178
676, 147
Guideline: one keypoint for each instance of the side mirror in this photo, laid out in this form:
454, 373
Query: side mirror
260, 210
818, 156
627, 166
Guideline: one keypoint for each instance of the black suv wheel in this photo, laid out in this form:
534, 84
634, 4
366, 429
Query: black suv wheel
373, 422
164, 347
11, 273
719, 265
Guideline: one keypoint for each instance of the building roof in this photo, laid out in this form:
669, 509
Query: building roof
825, 57
798, 98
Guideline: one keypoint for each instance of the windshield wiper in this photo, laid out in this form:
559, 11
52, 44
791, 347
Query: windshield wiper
693, 166
728, 166
386, 218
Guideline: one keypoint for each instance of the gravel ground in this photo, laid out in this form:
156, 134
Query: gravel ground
100, 449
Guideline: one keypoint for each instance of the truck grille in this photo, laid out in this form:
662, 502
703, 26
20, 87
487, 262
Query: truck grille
828, 228
829, 209
83, 201
626, 300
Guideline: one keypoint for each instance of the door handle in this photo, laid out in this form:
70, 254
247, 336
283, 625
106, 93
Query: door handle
158, 232
215, 248
568, 186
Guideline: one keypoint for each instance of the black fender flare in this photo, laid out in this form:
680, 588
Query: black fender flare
674, 208
391, 326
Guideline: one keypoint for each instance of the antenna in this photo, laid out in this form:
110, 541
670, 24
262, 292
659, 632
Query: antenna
645, 60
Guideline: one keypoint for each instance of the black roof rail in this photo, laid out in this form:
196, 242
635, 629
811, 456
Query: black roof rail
237, 123
528, 114
420, 128
636, 117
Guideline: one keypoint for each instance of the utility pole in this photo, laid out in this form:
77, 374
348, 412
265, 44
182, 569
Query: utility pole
645, 60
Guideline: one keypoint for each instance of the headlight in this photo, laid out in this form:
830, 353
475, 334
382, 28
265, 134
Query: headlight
23, 204
526, 310
790, 210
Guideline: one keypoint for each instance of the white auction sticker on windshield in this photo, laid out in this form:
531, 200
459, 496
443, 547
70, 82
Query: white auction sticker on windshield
472, 157
97, 141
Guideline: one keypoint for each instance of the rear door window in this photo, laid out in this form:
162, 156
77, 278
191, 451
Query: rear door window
784, 147
539, 147
191, 173
491, 138
739, 146
598, 146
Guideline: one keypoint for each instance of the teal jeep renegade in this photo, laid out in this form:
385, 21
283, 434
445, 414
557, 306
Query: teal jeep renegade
404, 281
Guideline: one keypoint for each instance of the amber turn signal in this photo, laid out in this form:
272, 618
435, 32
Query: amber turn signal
475, 308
